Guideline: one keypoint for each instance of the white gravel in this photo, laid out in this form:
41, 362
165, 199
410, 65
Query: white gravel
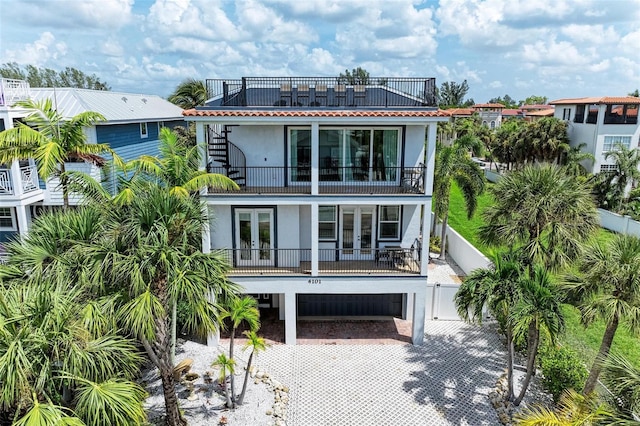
209, 408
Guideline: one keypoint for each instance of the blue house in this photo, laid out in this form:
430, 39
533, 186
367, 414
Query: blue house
131, 128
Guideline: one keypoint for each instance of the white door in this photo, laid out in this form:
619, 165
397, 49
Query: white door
254, 237
357, 228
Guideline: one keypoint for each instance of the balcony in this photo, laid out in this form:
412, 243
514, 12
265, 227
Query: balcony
333, 180
321, 92
390, 261
28, 180
12, 91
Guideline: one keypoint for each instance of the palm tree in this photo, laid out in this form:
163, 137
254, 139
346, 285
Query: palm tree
226, 365
574, 160
257, 344
53, 142
623, 379
453, 163
543, 212
607, 286
538, 308
239, 310
497, 289
189, 94
626, 175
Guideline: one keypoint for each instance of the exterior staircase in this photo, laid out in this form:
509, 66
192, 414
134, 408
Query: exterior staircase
224, 155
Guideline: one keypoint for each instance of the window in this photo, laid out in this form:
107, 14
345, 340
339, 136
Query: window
610, 142
300, 148
143, 130
592, 116
608, 168
327, 219
493, 124
566, 113
621, 114
389, 223
6, 218
579, 118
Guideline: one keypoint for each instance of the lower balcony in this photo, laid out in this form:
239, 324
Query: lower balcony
332, 180
28, 180
387, 261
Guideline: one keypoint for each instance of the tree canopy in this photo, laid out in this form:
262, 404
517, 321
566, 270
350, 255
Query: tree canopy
47, 77
451, 94
535, 100
356, 76
507, 101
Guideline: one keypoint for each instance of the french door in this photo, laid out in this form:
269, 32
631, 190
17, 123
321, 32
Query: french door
357, 228
254, 237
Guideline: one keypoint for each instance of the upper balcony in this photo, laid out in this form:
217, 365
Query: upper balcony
27, 181
321, 92
12, 91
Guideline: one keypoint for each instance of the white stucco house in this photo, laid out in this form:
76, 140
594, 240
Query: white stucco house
131, 127
600, 123
331, 219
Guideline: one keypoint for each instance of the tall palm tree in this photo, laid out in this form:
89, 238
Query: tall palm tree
627, 173
257, 344
226, 365
607, 286
543, 212
453, 163
189, 94
497, 289
239, 310
538, 309
52, 141
575, 158
623, 379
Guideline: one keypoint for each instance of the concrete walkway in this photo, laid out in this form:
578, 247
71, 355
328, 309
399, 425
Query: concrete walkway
443, 382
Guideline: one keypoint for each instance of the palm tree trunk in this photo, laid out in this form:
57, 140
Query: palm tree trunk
246, 379
233, 389
533, 341
226, 392
65, 186
510, 352
603, 353
443, 235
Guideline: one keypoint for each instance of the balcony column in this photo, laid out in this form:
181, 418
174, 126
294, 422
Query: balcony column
432, 130
315, 158
16, 179
202, 143
290, 318
314, 240
23, 220
417, 324
426, 235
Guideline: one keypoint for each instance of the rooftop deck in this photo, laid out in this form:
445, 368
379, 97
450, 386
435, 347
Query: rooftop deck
321, 92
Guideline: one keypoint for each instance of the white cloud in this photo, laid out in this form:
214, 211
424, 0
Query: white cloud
111, 47
495, 84
630, 44
87, 14
38, 53
591, 34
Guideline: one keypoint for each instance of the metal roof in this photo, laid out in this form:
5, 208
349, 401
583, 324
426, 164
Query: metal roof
114, 106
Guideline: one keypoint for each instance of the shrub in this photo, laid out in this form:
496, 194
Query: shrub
562, 369
434, 244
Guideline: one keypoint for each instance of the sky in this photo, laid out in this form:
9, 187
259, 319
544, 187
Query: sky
553, 48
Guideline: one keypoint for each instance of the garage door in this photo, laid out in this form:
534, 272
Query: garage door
349, 305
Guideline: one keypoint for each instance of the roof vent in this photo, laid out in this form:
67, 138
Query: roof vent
124, 99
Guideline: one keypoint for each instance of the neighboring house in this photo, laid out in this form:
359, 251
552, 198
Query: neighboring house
490, 114
600, 123
131, 128
331, 219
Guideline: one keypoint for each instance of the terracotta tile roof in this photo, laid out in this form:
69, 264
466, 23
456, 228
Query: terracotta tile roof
488, 106
541, 113
601, 100
458, 111
510, 111
312, 113
536, 107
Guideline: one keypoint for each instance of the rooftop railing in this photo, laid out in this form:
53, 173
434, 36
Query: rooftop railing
322, 92
12, 91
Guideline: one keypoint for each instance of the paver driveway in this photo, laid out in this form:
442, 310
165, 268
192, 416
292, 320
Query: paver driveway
443, 382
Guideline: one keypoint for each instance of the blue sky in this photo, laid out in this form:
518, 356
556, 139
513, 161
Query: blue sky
554, 48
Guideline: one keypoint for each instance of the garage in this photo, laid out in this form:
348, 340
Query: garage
351, 305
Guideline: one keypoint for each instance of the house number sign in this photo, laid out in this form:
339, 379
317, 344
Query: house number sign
314, 281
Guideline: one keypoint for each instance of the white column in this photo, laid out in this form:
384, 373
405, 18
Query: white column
426, 235
315, 250
417, 326
23, 220
281, 306
16, 179
206, 231
213, 339
431, 158
315, 157
408, 309
290, 318
202, 143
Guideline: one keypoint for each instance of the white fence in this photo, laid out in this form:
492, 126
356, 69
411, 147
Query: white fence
618, 223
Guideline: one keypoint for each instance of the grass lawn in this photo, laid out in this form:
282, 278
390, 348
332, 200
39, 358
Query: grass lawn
585, 341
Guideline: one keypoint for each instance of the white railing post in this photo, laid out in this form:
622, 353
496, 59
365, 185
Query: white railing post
6, 184
16, 178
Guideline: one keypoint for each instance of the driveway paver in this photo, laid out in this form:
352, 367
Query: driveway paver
443, 382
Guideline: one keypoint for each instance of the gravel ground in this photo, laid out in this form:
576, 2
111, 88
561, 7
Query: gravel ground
209, 408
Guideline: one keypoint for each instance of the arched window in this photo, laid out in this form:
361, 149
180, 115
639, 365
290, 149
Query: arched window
493, 124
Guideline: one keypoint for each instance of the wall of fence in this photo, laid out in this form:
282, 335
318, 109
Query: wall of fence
491, 175
462, 251
618, 223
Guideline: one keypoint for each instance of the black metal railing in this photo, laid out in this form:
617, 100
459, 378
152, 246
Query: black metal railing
321, 92
365, 261
333, 180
